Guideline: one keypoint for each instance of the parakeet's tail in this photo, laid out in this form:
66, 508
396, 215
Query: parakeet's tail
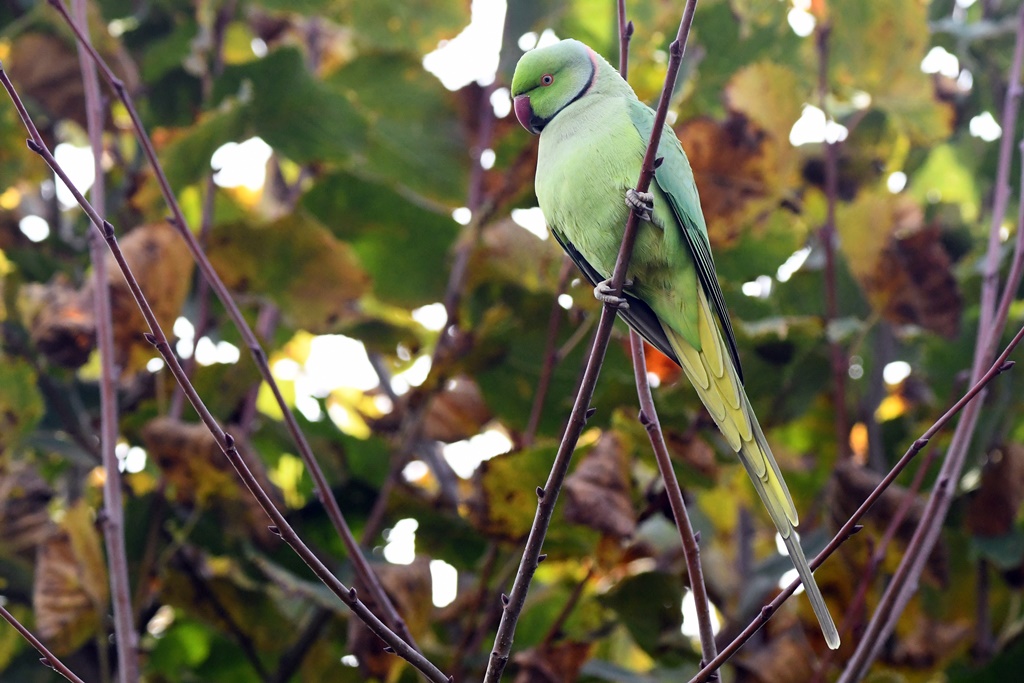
713, 375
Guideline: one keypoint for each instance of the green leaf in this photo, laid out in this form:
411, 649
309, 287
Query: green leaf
650, 606
415, 139
1005, 552
416, 24
168, 52
187, 159
294, 113
878, 49
314, 278
21, 404
386, 231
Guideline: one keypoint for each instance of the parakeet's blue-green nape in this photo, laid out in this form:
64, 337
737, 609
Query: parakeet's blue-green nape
593, 135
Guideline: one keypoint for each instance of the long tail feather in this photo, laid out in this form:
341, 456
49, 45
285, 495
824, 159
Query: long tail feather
713, 375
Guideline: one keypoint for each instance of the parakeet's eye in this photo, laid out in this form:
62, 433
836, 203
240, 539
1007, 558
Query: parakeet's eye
547, 79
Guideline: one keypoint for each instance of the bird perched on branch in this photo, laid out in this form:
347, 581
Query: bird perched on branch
593, 136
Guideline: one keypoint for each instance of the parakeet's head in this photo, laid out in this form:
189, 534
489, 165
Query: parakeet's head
549, 79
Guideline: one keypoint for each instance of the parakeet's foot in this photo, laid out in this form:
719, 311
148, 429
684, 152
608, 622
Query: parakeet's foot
604, 292
641, 202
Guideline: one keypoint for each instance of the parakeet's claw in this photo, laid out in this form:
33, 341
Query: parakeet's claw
641, 202
604, 292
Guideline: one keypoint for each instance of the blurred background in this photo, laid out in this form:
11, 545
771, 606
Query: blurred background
355, 176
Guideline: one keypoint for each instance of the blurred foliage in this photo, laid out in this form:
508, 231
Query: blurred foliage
377, 181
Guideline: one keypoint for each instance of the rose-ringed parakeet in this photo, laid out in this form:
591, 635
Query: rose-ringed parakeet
593, 135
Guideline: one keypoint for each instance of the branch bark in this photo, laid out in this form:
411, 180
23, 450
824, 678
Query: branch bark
991, 323
226, 442
363, 570
548, 495
125, 635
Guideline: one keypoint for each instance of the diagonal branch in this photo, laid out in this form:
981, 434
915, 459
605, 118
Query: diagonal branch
649, 419
851, 527
551, 355
691, 544
224, 440
363, 570
991, 323
548, 495
48, 658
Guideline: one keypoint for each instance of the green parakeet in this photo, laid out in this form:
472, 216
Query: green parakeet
593, 135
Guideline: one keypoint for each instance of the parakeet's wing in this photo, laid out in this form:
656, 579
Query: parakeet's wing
675, 179
639, 315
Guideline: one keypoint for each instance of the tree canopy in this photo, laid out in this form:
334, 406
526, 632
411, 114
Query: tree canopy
353, 173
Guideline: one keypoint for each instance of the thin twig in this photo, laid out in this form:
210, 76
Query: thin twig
858, 604
548, 495
851, 527
481, 209
691, 545
625, 35
48, 658
551, 356
125, 636
323, 490
828, 243
475, 614
225, 441
990, 328
555, 629
649, 419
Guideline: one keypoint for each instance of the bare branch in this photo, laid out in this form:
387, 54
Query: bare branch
581, 408
223, 439
991, 323
125, 634
827, 235
691, 547
48, 658
326, 496
851, 527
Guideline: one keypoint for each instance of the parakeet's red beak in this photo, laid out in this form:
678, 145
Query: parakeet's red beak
524, 112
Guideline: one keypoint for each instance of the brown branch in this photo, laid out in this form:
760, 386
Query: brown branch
362, 568
851, 527
48, 658
548, 495
691, 544
991, 323
223, 439
827, 235
649, 419
112, 516
551, 355
481, 209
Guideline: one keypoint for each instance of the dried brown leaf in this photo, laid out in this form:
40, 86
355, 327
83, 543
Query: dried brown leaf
198, 473
852, 484
456, 413
598, 492
994, 505
787, 658
24, 501
163, 266
733, 172
409, 587
560, 663
899, 262
61, 321
694, 451
70, 595
45, 69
